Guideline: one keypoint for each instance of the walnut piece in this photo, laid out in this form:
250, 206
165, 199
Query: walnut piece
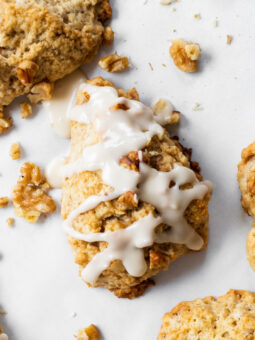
5, 123
4, 201
89, 333
229, 39
29, 196
15, 151
108, 36
82, 97
26, 71
25, 110
41, 91
185, 55
164, 113
10, 221
114, 63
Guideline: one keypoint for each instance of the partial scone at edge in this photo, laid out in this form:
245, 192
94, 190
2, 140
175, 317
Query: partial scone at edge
123, 211
46, 40
231, 316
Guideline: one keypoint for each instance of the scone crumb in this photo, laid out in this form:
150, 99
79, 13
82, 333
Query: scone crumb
4, 201
5, 123
10, 221
165, 2
41, 91
151, 67
185, 55
82, 97
89, 333
108, 36
197, 16
29, 196
229, 39
15, 151
25, 110
164, 113
26, 71
215, 23
114, 63
197, 107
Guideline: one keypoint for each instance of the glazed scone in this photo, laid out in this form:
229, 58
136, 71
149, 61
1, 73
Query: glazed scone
246, 179
119, 213
231, 316
44, 40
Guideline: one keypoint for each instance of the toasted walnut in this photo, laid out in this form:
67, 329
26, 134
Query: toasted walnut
4, 201
229, 39
10, 221
100, 81
25, 110
108, 36
164, 113
5, 123
26, 71
114, 63
82, 97
29, 196
89, 333
185, 55
41, 91
165, 2
130, 94
15, 151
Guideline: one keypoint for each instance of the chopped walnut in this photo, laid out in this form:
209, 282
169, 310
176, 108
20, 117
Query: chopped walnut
10, 221
25, 110
229, 39
4, 201
114, 63
41, 91
185, 55
82, 97
164, 113
108, 36
15, 151
29, 196
26, 71
5, 123
89, 333
100, 81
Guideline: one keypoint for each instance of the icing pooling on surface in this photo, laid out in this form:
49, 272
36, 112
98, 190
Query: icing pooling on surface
122, 126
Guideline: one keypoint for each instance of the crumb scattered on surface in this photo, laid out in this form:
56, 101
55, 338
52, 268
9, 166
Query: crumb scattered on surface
4, 201
41, 91
108, 36
114, 63
165, 2
164, 65
215, 23
89, 333
15, 151
185, 55
10, 221
5, 123
229, 39
25, 110
197, 16
151, 67
29, 196
197, 107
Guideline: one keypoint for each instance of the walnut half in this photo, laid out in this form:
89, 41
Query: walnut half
41, 91
89, 333
114, 63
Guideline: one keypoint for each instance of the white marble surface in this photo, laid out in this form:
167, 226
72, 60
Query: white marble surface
39, 285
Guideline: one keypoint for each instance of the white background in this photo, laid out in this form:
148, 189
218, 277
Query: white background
39, 283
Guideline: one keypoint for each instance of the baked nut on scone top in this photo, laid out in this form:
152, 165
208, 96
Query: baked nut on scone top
132, 201
246, 179
231, 316
44, 40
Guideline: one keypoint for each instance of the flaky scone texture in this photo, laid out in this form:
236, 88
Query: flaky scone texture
120, 213
231, 316
246, 179
44, 40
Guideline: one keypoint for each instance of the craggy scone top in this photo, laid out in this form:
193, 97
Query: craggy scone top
44, 40
231, 316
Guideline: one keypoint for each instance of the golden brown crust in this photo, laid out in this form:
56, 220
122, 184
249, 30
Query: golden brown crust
46, 40
231, 316
161, 154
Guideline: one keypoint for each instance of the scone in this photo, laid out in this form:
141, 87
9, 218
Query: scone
44, 40
246, 179
133, 202
231, 316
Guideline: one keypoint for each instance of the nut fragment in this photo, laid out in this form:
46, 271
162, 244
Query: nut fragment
15, 151
29, 196
4, 201
10, 221
89, 333
41, 91
164, 113
5, 123
82, 97
26, 71
114, 63
229, 39
25, 110
108, 36
185, 55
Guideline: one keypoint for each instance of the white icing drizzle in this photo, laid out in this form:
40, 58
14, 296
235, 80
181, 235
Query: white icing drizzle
63, 99
121, 131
